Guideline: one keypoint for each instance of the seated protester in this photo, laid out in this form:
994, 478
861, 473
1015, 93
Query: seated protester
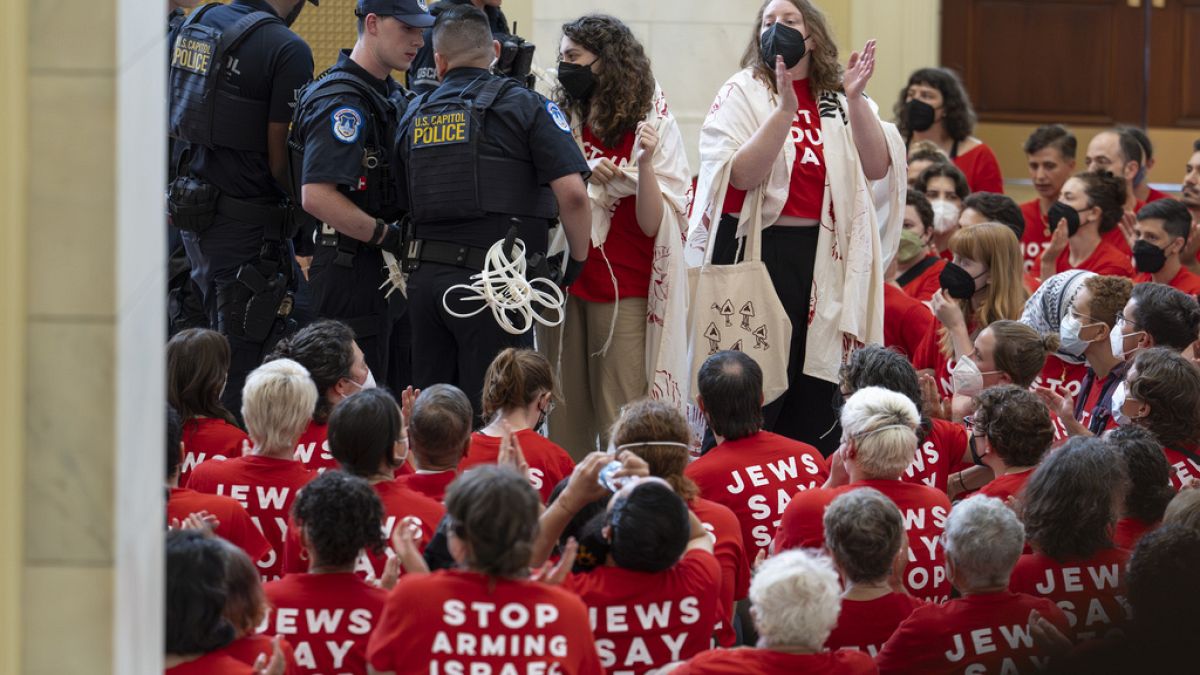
1010, 433
438, 435
989, 207
659, 434
941, 444
920, 155
1142, 191
981, 285
945, 187
231, 520
337, 516
1155, 316
1044, 312
365, 435
277, 404
981, 630
864, 532
328, 351
246, 608
1006, 352
1070, 510
660, 564
197, 630
1149, 483
794, 601
1050, 151
878, 443
906, 320
435, 623
518, 390
1161, 234
1163, 592
197, 367
917, 264
1091, 206
585, 527
1161, 393
1118, 152
752, 472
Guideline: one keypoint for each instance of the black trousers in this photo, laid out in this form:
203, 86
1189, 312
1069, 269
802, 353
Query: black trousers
446, 349
351, 294
805, 411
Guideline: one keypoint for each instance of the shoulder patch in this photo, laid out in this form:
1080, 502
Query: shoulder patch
347, 124
559, 117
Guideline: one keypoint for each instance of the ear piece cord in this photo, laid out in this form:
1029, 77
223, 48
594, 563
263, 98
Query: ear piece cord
502, 287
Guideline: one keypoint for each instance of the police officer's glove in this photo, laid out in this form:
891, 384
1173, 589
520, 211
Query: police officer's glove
388, 237
571, 273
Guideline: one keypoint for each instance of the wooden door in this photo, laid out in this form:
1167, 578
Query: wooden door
1174, 63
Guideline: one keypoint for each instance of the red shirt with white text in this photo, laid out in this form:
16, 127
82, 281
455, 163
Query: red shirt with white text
328, 618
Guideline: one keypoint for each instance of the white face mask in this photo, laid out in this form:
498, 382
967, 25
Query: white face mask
966, 378
1116, 340
945, 215
1068, 333
368, 383
1118, 402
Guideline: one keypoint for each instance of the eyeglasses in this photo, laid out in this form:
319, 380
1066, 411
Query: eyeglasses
969, 423
1120, 320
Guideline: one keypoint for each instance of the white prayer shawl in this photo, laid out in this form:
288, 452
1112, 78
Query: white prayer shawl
667, 303
860, 219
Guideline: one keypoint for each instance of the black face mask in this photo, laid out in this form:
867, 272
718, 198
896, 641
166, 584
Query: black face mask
920, 115
577, 80
782, 40
974, 453
1147, 257
957, 282
1059, 211
294, 14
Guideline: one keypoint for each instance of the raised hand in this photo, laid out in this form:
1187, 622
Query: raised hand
859, 71
788, 102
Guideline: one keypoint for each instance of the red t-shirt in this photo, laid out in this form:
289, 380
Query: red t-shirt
929, 356
233, 522
248, 648
1185, 281
629, 251
1116, 238
1153, 195
755, 477
1106, 259
454, 621
1182, 466
206, 438
1091, 398
1008, 485
327, 617
1129, 532
1036, 237
937, 456
982, 170
212, 663
548, 462
312, 449
905, 320
986, 633
926, 283
1090, 592
768, 662
1062, 377
266, 488
645, 620
864, 625
432, 485
726, 534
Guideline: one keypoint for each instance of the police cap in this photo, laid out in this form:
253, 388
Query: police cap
412, 12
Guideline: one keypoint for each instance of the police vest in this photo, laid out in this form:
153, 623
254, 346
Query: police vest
454, 173
380, 197
200, 112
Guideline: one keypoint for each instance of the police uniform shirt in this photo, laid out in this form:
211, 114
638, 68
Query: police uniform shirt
336, 130
522, 125
273, 64
422, 72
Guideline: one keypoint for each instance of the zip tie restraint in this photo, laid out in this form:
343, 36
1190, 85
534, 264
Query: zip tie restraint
502, 286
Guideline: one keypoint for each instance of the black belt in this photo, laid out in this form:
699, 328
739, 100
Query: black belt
446, 253
267, 215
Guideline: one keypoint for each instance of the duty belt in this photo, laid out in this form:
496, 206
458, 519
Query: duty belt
445, 253
267, 215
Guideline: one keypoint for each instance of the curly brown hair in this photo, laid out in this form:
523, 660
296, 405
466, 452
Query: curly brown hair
646, 420
1109, 295
959, 117
825, 71
1167, 382
1016, 423
624, 89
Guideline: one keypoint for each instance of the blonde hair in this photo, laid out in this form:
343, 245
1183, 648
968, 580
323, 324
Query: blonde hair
277, 404
796, 599
883, 426
996, 246
825, 71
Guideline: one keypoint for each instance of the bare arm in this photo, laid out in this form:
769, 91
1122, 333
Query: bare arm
753, 161
575, 212
325, 203
649, 193
868, 133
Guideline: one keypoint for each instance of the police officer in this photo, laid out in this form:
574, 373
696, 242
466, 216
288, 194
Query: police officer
344, 128
423, 74
235, 71
476, 152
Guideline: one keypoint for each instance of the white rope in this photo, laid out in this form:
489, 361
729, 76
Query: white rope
503, 288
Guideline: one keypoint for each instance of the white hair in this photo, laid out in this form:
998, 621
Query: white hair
882, 425
983, 540
796, 599
277, 404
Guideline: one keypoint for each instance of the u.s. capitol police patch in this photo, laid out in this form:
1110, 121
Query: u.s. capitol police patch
559, 117
347, 124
